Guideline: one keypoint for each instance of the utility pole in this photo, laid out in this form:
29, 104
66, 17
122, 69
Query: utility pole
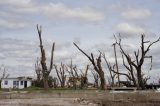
114, 45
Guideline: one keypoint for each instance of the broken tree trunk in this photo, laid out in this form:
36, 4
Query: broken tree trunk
45, 71
97, 66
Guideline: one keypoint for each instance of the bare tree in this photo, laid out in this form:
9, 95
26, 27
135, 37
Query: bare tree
4, 73
61, 74
96, 64
73, 73
140, 56
45, 70
115, 53
84, 79
38, 70
131, 72
111, 69
96, 78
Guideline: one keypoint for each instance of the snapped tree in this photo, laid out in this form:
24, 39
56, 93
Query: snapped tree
97, 66
45, 70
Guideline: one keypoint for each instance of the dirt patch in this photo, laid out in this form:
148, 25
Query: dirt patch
131, 103
39, 102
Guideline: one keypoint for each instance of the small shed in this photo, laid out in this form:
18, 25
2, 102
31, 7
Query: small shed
16, 83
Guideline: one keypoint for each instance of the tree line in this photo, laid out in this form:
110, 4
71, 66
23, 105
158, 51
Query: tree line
78, 77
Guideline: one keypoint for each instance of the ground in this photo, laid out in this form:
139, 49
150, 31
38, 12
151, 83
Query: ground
40, 102
80, 98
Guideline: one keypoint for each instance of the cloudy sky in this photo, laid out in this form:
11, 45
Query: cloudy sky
89, 23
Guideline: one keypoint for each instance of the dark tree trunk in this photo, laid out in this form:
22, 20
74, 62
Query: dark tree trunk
140, 80
45, 83
97, 66
45, 70
102, 81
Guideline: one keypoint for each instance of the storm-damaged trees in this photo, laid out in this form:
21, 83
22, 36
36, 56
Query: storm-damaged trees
61, 74
135, 63
97, 66
45, 70
111, 69
38, 70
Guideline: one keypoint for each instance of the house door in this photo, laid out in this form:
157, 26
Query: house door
25, 84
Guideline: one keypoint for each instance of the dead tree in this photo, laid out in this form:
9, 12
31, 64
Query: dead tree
73, 75
4, 73
130, 75
84, 79
97, 66
140, 56
115, 53
38, 70
45, 70
111, 69
61, 74
131, 72
96, 78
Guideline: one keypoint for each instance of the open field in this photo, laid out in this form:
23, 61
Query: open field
80, 98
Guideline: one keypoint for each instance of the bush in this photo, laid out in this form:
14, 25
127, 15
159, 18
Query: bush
37, 83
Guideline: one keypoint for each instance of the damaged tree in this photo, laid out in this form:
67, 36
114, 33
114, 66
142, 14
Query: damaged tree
84, 79
97, 66
4, 73
45, 70
131, 72
111, 69
140, 56
74, 79
96, 78
38, 70
61, 74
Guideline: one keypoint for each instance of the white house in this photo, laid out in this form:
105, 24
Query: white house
16, 83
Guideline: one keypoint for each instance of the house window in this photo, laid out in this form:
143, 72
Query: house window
21, 82
5, 82
16, 83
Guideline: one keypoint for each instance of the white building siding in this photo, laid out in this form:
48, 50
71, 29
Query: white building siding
8, 85
15, 83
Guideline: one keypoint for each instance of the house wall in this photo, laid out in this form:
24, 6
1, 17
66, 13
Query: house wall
10, 83
29, 83
22, 86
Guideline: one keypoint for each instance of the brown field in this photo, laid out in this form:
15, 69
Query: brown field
80, 98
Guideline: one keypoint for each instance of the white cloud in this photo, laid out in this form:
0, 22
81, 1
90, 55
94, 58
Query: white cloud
136, 14
127, 29
12, 24
14, 14
61, 11
20, 6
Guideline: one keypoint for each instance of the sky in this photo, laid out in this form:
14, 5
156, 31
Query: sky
89, 23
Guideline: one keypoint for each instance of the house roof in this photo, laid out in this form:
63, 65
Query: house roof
19, 78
